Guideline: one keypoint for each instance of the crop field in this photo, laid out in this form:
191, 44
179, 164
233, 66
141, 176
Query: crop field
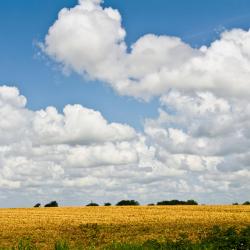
100, 226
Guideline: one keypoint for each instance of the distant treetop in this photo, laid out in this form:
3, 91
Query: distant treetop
92, 204
246, 203
52, 204
177, 202
128, 203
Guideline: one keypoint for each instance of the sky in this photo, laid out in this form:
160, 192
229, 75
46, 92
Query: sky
103, 101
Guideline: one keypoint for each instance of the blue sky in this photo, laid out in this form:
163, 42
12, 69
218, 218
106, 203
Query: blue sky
166, 117
23, 23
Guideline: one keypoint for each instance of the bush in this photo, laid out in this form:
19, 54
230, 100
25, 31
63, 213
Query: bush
107, 204
177, 202
37, 205
92, 204
128, 203
228, 238
52, 204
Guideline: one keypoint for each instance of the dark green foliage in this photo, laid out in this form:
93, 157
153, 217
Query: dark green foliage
62, 245
151, 204
92, 204
37, 205
52, 204
191, 202
151, 244
235, 204
128, 203
177, 202
107, 204
25, 245
228, 239
246, 203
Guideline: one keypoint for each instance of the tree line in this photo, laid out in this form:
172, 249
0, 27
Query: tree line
136, 203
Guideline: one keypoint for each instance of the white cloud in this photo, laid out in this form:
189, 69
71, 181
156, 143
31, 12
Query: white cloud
36, 146
207, 136
77, 125
89, 39
101, 155
198, 146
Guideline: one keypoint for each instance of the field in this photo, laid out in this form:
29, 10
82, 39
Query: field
100, 226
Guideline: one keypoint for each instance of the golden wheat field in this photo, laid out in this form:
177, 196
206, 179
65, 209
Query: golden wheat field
103, 225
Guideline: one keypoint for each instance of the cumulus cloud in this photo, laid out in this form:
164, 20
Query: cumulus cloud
77, 125
45, 153
207, 135
39, 148
198, 147
90, 39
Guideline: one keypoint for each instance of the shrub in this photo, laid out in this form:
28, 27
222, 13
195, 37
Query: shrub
52, 204
128, 203
228, 238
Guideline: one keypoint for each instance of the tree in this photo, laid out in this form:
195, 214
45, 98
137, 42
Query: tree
37, 205
177, 202
246, 203
107, 204
191, 202
92, 204
128, 203
52, 204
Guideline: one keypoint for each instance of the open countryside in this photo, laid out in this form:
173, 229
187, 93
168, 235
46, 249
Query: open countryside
100, 226
125, 125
